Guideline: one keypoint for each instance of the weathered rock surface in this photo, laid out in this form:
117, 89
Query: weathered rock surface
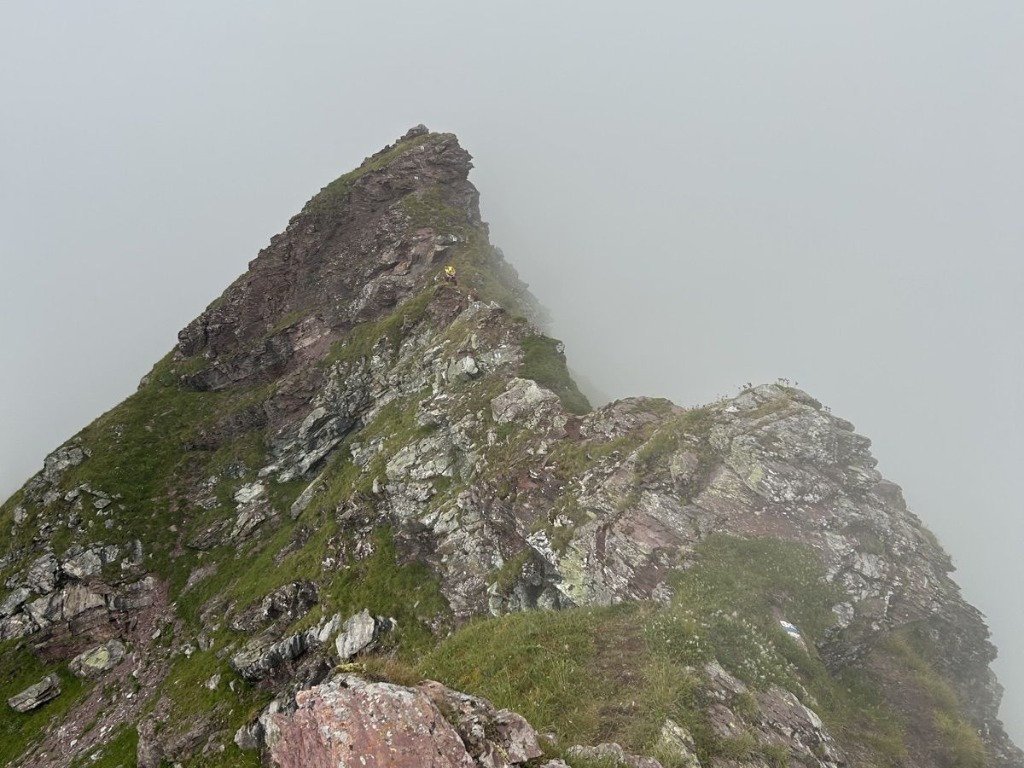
14, 601
266, 653
780, 720
493, 737
283, 605
42, 574
263, 655
96, 661
360, 632
36, 695
349, 721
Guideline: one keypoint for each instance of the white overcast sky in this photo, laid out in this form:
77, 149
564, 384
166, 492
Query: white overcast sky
703, 194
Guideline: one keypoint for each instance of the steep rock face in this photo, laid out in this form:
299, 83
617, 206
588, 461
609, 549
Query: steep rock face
344, 433
350, 256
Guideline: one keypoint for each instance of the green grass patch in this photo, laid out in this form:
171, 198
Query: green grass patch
615, 674
140, 457
571, 460
854, 708
429, 209
544, 362
19, 668
543, 665
118, 751
386, 586
730, 602
587, 675
686, 431
914, 649
185, 687
961, 741
381, 581
758, 578
231, 757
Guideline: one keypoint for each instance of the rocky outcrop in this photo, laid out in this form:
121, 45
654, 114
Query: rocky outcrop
492, 737
779, 719
66, 602
349, 721
677, 743
355, 217
264, 654
343, 430
283, 606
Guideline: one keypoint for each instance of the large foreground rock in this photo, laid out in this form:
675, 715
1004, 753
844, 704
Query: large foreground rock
350, 721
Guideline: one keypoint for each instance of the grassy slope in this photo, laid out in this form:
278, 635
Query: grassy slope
616, 673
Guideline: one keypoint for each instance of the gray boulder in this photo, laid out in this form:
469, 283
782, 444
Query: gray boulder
284, 605
262, 656
14, 601
528, 403
82, 566
96, 661
19, 625
361, 632
42, 574
36, 695
61, 460
463, 369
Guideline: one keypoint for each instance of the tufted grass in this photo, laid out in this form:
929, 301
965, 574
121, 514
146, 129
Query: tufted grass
615, 674
912, 647
544, 362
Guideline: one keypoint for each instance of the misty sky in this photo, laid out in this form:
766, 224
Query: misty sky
703, 194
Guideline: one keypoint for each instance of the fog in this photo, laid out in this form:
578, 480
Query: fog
703, 195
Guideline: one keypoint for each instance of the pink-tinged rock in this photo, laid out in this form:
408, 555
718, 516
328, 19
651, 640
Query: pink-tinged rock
352, 722
494, 738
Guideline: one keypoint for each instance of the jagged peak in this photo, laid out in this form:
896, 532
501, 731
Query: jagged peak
418, 160
368, 241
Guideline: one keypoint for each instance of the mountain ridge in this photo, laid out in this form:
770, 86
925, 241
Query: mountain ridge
342, 429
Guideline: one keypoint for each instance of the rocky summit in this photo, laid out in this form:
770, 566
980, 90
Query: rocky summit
361, 515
